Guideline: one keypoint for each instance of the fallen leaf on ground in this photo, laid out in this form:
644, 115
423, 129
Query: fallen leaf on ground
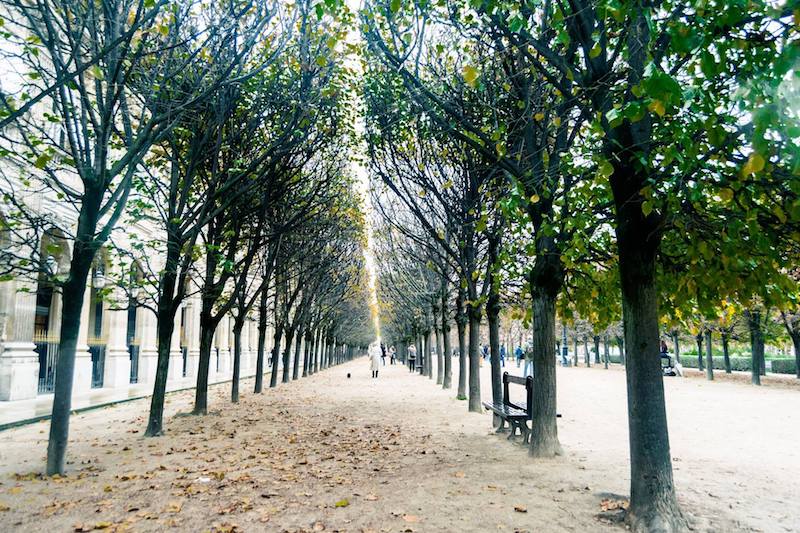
410, 518
612, 505
520, 509
342, 503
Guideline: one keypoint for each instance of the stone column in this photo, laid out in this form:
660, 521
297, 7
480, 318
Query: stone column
223, 330
82, 378
244, 364
117, 371
193, 336
175, 372
19, 362
148, 347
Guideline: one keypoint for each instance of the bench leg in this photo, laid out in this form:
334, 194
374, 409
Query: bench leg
514, 428
501, 428
526, 433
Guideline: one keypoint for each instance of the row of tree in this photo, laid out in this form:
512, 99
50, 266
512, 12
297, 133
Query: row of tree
204, 144
596, 159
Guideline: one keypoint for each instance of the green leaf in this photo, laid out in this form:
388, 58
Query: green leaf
42, 161
343, 503
395, 6
647, 208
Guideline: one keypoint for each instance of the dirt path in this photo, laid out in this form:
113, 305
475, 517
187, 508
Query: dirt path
399, 454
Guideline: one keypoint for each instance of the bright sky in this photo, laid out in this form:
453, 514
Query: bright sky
363, 179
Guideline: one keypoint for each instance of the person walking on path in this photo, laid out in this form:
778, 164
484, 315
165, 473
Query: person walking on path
502, 355
383, 354
412, 356
519, 353
392, 355
375, 360
528, 370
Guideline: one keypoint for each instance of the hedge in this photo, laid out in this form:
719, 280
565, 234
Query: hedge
784, 366
779, 366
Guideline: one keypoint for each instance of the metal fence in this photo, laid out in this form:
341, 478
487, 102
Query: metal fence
47, 348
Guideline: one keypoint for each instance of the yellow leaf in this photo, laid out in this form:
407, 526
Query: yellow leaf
342, 503
726, 194
470, 75
538, 117
557, 121
657, 107
534, 198
755, 163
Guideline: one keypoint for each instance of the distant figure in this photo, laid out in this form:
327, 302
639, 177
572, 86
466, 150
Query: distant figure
375, 360
392, 355
412, 356
502, 355
528, 370
519, 353
383, 354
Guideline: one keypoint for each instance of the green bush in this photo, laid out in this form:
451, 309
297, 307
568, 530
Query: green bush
784, 366
737, 363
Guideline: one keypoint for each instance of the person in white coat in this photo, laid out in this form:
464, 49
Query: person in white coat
374, 360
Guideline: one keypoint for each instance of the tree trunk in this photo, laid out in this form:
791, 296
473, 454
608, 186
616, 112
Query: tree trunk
429, 354
238, 325
676, 342
165, 327
276, 350
262, 342
586, 353
621, 348
309, 338
605, 352
439, 358
287, 354
72, 297
596, 340
493, 319
709, 357
447, 382
698, 339
298, 346
654, 506
201, 390
756, 345
544, 429
725, 352
796, 343
461, 329
474, 314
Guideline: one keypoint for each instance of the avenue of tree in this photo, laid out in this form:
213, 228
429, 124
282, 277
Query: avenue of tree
629, 170
604, 162
212, 140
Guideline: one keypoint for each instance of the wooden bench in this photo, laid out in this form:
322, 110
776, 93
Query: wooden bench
516, 416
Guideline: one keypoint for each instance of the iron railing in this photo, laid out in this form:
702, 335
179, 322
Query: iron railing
47, 348
97, 349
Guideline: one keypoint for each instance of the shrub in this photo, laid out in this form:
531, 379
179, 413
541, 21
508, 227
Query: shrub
784, 366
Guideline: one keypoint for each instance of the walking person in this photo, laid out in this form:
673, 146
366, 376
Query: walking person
502, 355
518, 353
375, 361
392, 355
528, 370
383, 354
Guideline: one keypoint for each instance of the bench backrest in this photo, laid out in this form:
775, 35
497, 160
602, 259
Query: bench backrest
527, 382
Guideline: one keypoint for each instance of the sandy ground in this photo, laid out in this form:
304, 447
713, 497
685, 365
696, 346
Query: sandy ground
400, 454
